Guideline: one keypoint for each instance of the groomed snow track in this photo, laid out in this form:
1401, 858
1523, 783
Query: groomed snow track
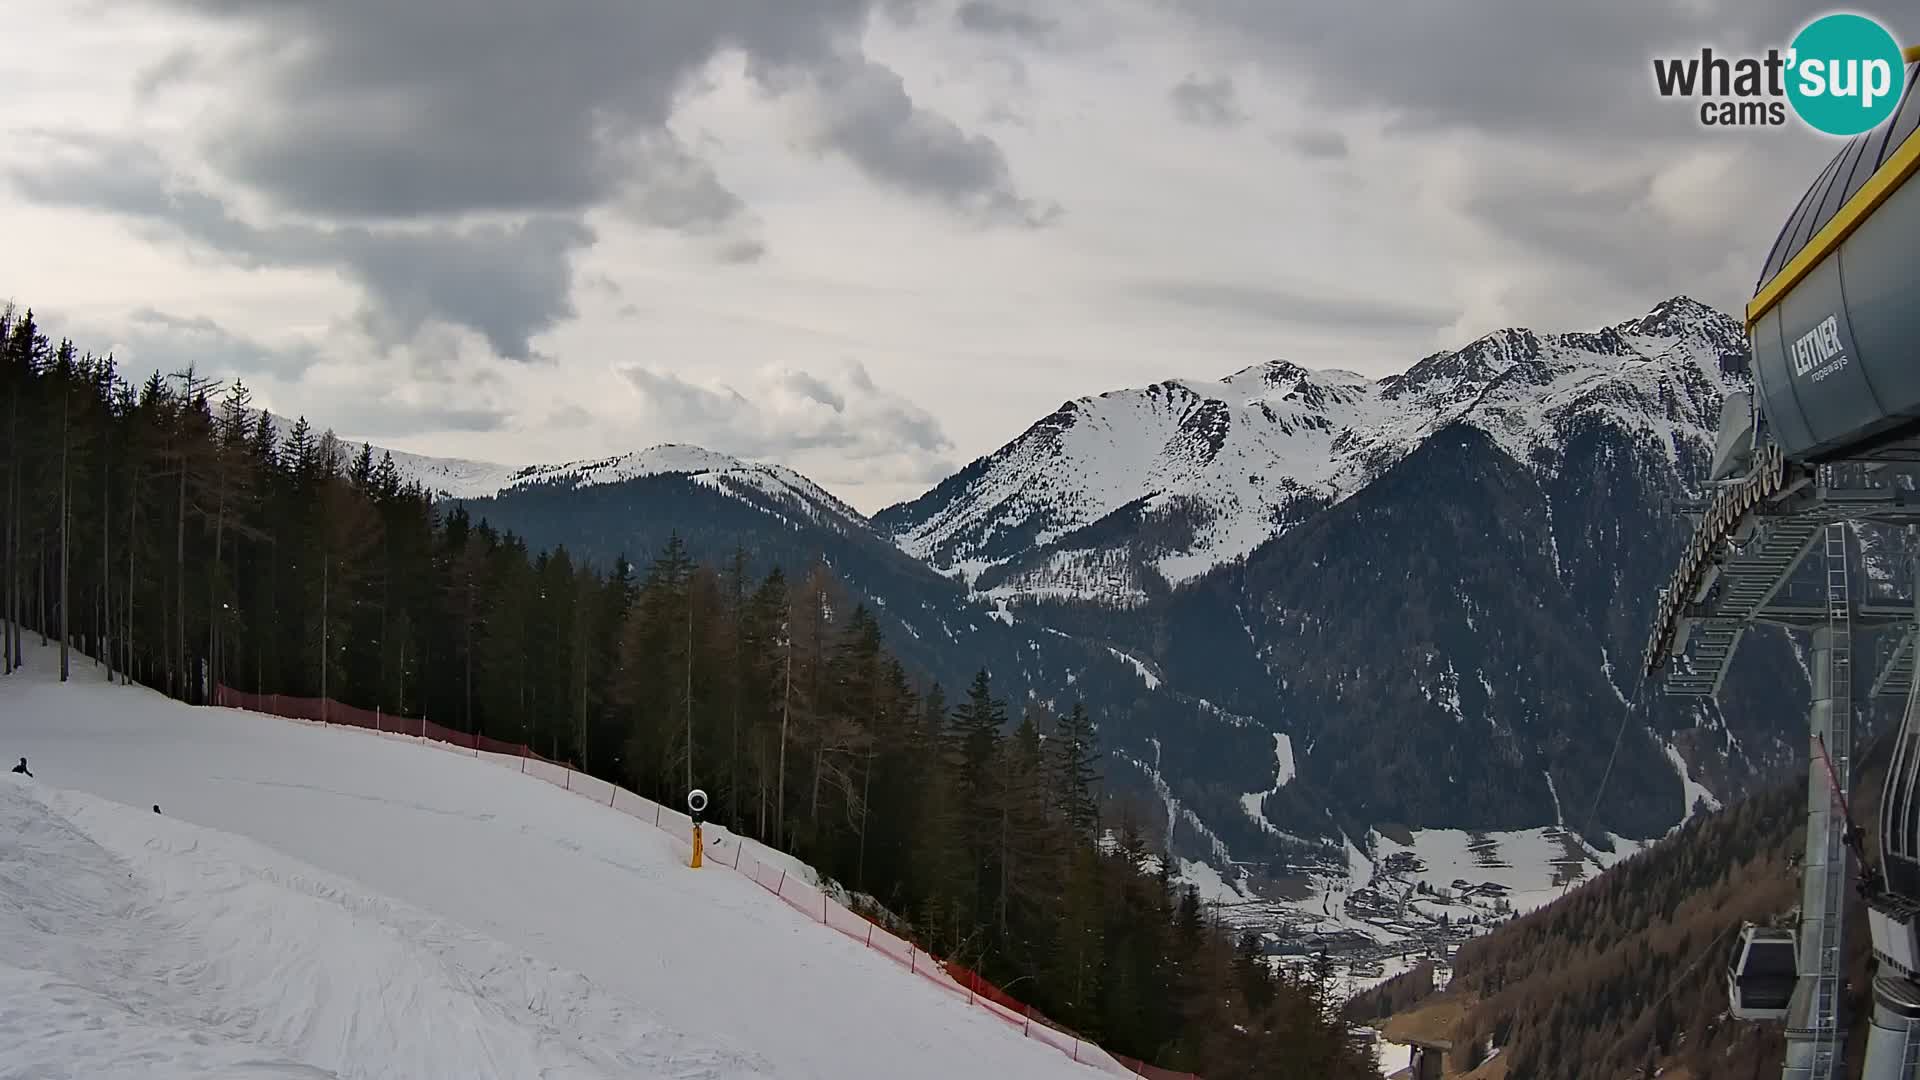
449, 903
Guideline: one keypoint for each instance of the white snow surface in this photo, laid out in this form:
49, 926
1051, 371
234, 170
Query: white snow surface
130, 938
1285, 772
1244, 449
1392, 1057
1206, 880
1146, 674
322, 902
1693, 791
1523, 860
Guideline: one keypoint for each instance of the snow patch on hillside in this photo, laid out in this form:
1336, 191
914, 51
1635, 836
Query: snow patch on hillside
1205, 879
1694, 792
1146, 675
1524, 863
1284, 772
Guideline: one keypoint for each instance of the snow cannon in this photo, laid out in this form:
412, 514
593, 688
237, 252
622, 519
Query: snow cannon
696, 806
1835, 319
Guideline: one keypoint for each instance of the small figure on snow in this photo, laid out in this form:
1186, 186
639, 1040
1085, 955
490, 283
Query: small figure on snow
156, 808
22, 767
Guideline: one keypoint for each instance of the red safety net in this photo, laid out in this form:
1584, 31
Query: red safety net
764, 866
329, 711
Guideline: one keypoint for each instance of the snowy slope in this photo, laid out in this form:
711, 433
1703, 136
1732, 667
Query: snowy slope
130, 939
403, 900
1192, 473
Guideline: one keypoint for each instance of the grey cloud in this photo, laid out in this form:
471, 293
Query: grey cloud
676, 190
382, 417
445, 154
1211, 102
506, 282
791, 411
176, 65
1284, 305
1560, 70
569, 416
1610, 238
151, 340
869, 117
1568, 83
433, 107
1003, 112
987, 17
1324, 143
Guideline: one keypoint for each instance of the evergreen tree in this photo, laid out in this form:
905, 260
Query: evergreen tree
170, 530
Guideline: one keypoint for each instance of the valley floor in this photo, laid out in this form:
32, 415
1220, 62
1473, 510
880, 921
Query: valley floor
318, 902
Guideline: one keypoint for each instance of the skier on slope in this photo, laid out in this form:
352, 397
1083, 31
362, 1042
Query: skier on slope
22, 767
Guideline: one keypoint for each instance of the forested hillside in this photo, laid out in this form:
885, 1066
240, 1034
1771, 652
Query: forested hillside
1631, 968
169, 529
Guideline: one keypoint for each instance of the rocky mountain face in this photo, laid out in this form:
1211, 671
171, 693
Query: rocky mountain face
1435, 584
1117, 497
1305, 603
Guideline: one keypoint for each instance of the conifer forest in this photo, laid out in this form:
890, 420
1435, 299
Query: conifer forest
161, 529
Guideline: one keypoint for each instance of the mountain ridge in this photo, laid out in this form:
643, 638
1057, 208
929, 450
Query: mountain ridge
1453, 383
1196, 473
1287, 554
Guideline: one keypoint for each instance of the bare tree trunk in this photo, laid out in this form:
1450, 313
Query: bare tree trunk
180, 579
104, 621
66, 528
813, 798
733, 757
133, 524
40, 557
582, 602
469, 679
866, 790
213, 573
689, 682
6, 557
380, 688
10, 540
1006, 803
324, 567
786, 696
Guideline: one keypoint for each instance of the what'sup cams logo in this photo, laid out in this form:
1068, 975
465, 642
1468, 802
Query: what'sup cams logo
1843, 74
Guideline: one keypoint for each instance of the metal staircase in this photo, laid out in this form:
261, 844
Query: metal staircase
1895, 665
1750, 576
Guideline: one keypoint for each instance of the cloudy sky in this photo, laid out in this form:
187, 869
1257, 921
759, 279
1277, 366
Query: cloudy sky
868, 238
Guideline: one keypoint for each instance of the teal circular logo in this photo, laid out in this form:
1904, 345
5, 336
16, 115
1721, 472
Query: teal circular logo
1845, 74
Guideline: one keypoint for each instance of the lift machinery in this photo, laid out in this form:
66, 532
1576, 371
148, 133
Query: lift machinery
1829, 439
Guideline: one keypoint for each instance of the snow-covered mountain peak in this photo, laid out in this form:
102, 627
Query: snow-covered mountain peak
456, 478
1679, 316
1272, 374
1183, 474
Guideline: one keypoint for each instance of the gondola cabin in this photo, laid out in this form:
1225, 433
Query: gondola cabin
1761, 973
